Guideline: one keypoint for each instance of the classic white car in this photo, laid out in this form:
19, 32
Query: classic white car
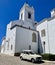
30, 55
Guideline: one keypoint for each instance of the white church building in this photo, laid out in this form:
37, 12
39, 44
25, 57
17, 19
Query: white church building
26, 33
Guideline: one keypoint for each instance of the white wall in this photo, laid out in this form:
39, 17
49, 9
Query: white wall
10, 37
51, 30
24, 39
31, 10
40, 27
49, 26
22, 12
24, 23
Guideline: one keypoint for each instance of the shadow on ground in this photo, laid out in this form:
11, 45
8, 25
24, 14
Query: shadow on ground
38, 62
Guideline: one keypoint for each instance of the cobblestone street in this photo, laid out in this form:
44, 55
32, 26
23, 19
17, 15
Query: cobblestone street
12, 60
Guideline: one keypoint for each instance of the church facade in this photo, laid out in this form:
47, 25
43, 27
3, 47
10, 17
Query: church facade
21, 34
26, 33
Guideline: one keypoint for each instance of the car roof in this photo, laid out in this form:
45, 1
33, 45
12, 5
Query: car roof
27, 50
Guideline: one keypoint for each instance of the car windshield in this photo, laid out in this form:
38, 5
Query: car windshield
31, 53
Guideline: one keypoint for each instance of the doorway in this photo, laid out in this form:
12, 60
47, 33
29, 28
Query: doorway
29, 47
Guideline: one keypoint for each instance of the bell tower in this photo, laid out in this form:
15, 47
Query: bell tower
27, 13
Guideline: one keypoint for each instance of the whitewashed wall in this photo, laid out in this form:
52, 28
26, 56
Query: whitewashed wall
40, 27
10, 37
51, 30
24, 39
49, 26
24, 23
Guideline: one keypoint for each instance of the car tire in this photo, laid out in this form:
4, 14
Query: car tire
32, 60
21, 58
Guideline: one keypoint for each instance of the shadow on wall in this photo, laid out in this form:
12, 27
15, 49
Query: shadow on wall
40, 48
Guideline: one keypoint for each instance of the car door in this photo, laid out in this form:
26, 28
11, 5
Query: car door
24, 55
27, 55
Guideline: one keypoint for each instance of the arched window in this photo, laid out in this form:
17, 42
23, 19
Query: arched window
33, 37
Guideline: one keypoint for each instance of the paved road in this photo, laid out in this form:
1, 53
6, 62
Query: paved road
10, 60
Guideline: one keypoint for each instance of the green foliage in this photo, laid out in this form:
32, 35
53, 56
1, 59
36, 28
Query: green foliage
48, 57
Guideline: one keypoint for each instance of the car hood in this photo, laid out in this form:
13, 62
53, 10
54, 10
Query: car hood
35, 55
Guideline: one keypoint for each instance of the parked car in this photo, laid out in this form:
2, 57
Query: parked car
30, 55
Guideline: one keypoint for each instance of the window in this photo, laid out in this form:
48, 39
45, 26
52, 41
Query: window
11, 47
29, 15
33, 37
27, 52
43, 33
21, 15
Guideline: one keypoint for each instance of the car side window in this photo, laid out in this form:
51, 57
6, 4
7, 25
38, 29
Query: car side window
27, 53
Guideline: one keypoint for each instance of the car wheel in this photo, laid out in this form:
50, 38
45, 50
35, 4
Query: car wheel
21, 58
32, 60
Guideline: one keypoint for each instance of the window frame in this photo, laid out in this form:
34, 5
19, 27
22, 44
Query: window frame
43, 33
34, 37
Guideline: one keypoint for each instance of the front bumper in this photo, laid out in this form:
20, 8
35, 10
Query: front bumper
39, 59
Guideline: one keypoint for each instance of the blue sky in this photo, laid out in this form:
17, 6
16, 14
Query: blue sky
9, 11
